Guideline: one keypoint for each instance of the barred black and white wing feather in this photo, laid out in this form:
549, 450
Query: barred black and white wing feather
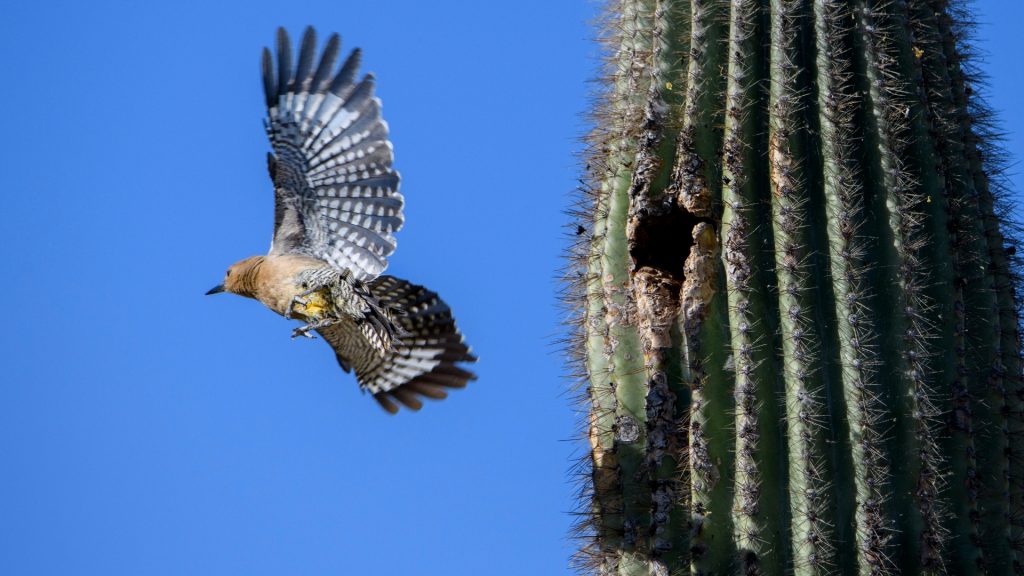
336, 194
423, 362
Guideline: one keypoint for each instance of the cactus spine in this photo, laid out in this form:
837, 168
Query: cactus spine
797, 296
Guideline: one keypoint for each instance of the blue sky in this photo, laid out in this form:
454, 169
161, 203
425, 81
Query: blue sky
148, 429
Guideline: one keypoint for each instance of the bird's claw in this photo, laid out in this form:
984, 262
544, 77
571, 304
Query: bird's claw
306, 329
303, 331
296, 300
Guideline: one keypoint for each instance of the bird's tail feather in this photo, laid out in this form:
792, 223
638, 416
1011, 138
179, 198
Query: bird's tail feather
424, 361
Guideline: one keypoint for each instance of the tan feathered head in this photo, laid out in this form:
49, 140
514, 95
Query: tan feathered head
240, 278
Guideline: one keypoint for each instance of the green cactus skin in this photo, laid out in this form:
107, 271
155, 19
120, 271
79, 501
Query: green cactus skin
795, 292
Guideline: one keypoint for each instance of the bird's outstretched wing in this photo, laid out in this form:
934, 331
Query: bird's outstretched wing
336, 195
425, 362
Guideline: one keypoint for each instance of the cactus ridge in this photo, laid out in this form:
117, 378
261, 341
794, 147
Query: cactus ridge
760, 519
793, 290
973, 140
855, 305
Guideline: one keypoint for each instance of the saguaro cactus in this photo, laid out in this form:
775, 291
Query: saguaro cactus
796, 294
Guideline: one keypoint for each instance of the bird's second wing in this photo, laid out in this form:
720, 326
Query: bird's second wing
336, 194
424, 363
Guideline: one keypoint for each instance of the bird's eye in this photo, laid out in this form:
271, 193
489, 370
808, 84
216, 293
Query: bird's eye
228, 273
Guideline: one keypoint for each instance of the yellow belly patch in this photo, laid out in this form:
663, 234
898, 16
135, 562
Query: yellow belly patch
315, 307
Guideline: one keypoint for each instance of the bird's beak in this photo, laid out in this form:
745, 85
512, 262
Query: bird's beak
216, 289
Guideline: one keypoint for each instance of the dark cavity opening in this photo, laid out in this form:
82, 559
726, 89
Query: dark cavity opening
663, 241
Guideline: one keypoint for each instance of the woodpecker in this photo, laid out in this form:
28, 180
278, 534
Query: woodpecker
336, 210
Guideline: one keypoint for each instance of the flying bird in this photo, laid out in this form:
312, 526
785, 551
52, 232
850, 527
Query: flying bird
336, 210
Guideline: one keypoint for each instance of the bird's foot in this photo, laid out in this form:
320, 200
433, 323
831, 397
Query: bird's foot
297, 300
307, 298
306, 329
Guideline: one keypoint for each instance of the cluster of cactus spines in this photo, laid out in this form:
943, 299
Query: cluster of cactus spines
797, 297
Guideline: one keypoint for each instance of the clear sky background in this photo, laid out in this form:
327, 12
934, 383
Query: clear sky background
148, 429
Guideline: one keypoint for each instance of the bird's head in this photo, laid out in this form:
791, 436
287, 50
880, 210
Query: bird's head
240, 278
